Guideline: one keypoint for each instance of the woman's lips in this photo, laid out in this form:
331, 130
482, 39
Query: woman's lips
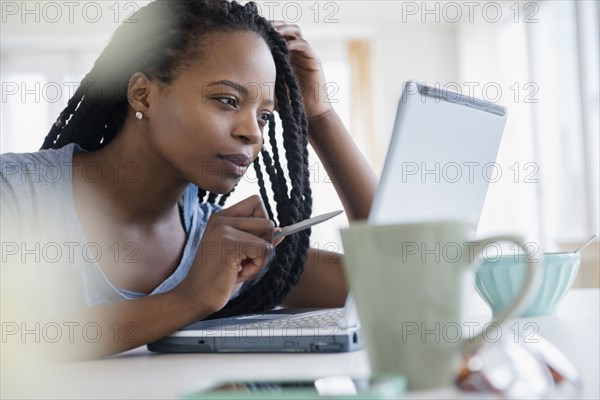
236, 164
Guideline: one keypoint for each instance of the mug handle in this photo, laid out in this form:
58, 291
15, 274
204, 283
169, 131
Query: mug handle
521, 301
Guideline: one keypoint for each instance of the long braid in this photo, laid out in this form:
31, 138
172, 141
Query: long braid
224, 197
64, 118
275, 172
212, 197
261, 185
168, 36
301, 144
201, 195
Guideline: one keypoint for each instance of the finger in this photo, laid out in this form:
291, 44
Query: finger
282, 24
251, 258
260, 227
245, 246
249, 270
303, 49
287, 30
277, 241
299, 45
252, 206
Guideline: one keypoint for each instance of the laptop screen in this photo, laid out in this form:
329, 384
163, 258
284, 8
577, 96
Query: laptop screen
441, 157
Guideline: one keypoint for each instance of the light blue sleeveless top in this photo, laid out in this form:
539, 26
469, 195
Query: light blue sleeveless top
40, 227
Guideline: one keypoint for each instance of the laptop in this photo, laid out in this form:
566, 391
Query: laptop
438, 137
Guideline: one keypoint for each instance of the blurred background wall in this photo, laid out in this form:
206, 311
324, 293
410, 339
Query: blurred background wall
538, 58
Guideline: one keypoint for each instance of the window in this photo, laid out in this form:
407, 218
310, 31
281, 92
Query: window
547, 70
29, 113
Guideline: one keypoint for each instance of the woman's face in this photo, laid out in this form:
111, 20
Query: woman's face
208, 122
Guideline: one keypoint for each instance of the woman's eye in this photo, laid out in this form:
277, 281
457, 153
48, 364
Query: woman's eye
264, 118
230, 101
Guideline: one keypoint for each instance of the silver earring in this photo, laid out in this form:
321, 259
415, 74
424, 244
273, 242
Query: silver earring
139, 115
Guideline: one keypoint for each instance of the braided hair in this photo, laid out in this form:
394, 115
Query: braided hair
164, 37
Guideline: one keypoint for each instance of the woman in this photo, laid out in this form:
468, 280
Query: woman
168, 120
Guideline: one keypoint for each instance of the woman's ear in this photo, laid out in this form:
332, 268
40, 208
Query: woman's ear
138, 92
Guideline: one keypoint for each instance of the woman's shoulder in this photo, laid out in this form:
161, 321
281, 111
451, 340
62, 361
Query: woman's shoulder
48, 155
30, 182
44, 166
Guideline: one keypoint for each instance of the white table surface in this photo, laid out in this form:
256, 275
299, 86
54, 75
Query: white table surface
141, 374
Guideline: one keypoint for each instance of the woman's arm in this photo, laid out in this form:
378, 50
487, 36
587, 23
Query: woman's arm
109, 329
102, 330
353, 179
322, 284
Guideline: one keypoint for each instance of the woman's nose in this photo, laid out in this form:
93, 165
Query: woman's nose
248, 130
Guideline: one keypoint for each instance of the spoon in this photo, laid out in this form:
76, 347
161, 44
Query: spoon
586, 244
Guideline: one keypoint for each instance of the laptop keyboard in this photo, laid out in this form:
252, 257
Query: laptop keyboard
312, 320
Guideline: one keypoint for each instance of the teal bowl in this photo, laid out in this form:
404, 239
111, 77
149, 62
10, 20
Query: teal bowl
498, 281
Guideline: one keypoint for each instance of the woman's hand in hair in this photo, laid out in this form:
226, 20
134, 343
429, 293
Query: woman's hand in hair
235, 247
346, 166
308, 70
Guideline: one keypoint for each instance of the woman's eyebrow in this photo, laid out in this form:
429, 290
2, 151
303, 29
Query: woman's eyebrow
238, 87
234, 85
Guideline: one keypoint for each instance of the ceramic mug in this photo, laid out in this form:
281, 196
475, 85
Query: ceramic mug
408, 281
